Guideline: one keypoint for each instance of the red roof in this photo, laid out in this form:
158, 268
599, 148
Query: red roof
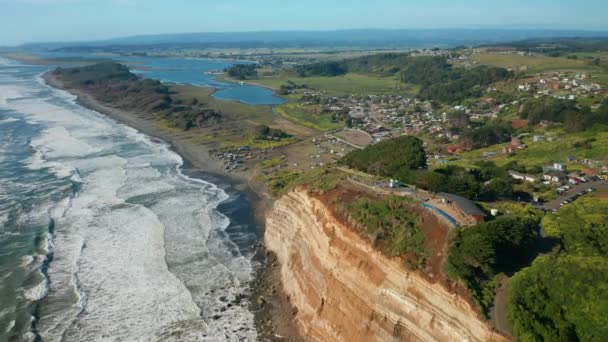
519, 123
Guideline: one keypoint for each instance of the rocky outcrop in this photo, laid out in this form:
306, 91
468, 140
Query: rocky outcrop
345, 290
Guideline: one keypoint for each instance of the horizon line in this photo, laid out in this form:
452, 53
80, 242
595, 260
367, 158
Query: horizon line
131, 36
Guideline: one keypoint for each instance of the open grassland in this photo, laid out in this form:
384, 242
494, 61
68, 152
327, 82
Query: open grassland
535, 63
342, 85
592, 144
239, 126
304, 115
601, 78
603, 55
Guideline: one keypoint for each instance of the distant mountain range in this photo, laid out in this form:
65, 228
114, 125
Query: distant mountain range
402, 38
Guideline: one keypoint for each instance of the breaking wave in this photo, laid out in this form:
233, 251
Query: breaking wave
136, 250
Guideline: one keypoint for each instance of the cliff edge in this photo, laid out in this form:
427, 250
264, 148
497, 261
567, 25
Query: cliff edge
345, 290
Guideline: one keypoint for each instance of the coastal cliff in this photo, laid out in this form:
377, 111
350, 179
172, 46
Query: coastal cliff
343, 289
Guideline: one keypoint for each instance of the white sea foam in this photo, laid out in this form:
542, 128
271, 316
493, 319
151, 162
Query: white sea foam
10, 326
37, 292
140, 251
9, 62
38, 162
27, 261
11, 92
57, 142
8, 120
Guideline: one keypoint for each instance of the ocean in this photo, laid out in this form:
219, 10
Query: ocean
105, 234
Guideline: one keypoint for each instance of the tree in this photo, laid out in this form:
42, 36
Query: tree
243, 71
488, 135
498, 188
459, 119
321, 69
561, 298
481, 252
389, 157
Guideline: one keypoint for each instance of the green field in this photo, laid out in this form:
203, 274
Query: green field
535, 63
601, 55
238, 127
342, 85
303, 115
541, 153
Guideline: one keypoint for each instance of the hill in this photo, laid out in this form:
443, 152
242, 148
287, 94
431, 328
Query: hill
438, 79
385, 38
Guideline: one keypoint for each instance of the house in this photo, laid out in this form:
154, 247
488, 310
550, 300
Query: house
515, 145
555, 177
456, 149
590, 172
559, 167
467, 207
487, 155
393, 183
519, 124
523, 177
538, 138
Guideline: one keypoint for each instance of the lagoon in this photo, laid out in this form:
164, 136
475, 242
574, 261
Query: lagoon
193, 72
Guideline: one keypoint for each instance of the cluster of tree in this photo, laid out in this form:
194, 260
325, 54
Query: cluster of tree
321, 69
391, 223
264, 132
487, 135
95, 74
560, 46
242, 71
488, 182
426, 71
288, 88
438, 79
562, 296
458, 121
574, 117
389, 158
114, 84
502, 97
480, 253
464, 83
404, 159
384, 64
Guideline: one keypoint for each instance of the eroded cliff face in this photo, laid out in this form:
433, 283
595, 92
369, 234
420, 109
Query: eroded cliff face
345, 290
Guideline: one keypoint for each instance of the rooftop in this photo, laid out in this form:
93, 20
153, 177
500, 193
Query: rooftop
466, 205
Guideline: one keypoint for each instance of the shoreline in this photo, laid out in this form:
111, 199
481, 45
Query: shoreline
270, 306
248, 82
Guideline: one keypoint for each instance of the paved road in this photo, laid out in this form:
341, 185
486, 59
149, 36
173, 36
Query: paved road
555, 204
498, 313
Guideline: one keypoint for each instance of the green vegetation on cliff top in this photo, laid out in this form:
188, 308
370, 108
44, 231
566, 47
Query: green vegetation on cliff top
563, 296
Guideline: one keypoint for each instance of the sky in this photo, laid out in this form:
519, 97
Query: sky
76, 20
